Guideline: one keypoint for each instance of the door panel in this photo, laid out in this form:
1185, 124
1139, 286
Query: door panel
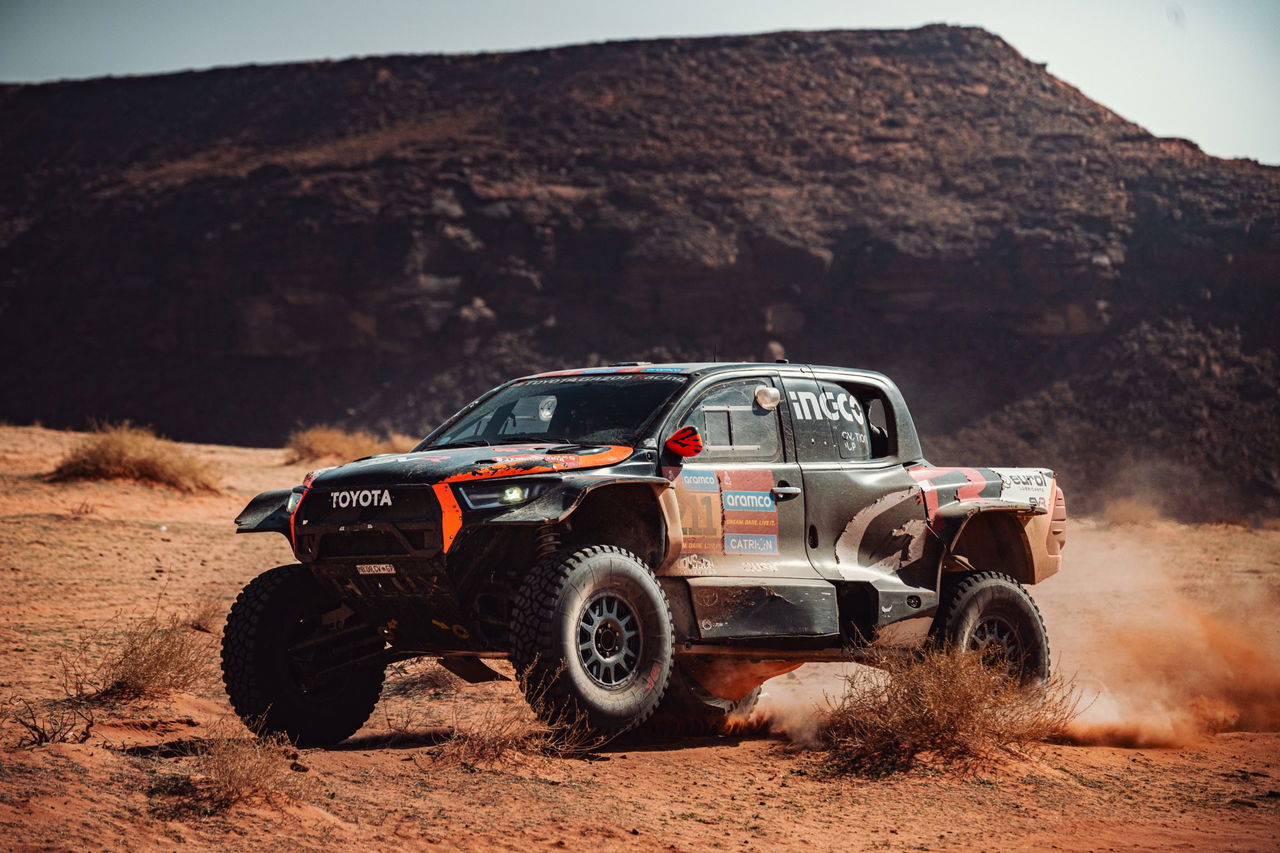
740, 509
866, 521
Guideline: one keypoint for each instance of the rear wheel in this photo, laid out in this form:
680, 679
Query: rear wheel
993, 614
592, 639
294, 663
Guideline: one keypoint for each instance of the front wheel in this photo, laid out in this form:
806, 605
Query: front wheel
993, 614
293, 663
592, 639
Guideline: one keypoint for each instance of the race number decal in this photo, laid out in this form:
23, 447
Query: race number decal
701, 522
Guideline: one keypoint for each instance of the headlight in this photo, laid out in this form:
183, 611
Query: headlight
494, 494
295, 497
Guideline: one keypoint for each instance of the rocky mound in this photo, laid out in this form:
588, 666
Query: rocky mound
228, 254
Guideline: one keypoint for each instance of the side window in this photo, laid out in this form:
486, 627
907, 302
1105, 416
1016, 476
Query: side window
734, 427
879, 426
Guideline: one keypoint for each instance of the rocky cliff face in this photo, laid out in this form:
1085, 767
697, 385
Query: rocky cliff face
228, 253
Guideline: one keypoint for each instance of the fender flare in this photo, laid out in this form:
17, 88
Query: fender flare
952, 520
266, 513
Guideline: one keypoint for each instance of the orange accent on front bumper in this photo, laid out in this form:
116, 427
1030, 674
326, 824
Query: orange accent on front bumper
450, 515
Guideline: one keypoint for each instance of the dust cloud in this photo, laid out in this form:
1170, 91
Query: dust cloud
1168, 632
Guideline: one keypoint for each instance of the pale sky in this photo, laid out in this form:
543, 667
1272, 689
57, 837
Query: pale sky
1206, 70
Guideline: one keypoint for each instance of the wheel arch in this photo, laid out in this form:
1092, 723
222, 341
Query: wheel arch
993, 541
631, 516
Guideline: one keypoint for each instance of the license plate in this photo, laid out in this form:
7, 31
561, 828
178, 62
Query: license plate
375, 569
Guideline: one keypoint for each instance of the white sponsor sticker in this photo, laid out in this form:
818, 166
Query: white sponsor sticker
1026, 485
375, 569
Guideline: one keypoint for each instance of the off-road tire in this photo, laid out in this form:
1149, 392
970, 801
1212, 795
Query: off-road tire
1014, 630
688, 709
267, 686
555, 600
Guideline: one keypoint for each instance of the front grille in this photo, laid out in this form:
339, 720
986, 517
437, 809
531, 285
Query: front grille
367, 544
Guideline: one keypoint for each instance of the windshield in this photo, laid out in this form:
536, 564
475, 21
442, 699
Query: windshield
596, 409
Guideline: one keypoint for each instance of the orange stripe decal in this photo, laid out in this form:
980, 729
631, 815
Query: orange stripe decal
450, 515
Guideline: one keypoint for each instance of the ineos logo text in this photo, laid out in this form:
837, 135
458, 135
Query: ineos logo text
364, 497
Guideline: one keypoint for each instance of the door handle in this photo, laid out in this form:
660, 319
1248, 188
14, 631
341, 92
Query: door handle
784, 493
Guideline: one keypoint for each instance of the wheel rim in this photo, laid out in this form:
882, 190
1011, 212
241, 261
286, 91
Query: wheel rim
997, 640
609, 640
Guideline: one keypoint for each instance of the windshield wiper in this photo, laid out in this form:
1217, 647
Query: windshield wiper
470, 442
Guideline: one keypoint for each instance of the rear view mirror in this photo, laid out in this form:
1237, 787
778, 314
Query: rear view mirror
685, 442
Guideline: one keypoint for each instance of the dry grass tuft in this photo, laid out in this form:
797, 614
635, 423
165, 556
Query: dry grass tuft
220, 771
156, 656
503, 732
946, 706
237, 769
420, 678
39, 723
335, 443
207, 614
126, 452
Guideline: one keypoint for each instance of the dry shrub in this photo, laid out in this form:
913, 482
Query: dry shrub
206, 614
155, 656
236, 769
67, 721
949, 707
126, 452
335, 443
418, 679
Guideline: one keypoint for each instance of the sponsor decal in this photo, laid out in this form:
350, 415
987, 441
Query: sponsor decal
717, 506
700, 481
701, 517
616, 376
828, 405
748, 501
359, 497
375, 569
557, 459
696, 564
749, 507
1032, 486
747, 543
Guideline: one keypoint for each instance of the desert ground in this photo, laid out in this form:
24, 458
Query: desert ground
1168, 630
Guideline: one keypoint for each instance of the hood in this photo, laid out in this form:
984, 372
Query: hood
460, 464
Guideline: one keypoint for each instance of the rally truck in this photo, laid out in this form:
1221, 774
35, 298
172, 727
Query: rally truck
644, 543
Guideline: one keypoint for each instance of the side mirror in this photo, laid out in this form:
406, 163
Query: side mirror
768, 398
685, 442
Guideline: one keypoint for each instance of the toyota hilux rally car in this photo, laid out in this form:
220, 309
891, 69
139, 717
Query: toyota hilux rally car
643, 542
